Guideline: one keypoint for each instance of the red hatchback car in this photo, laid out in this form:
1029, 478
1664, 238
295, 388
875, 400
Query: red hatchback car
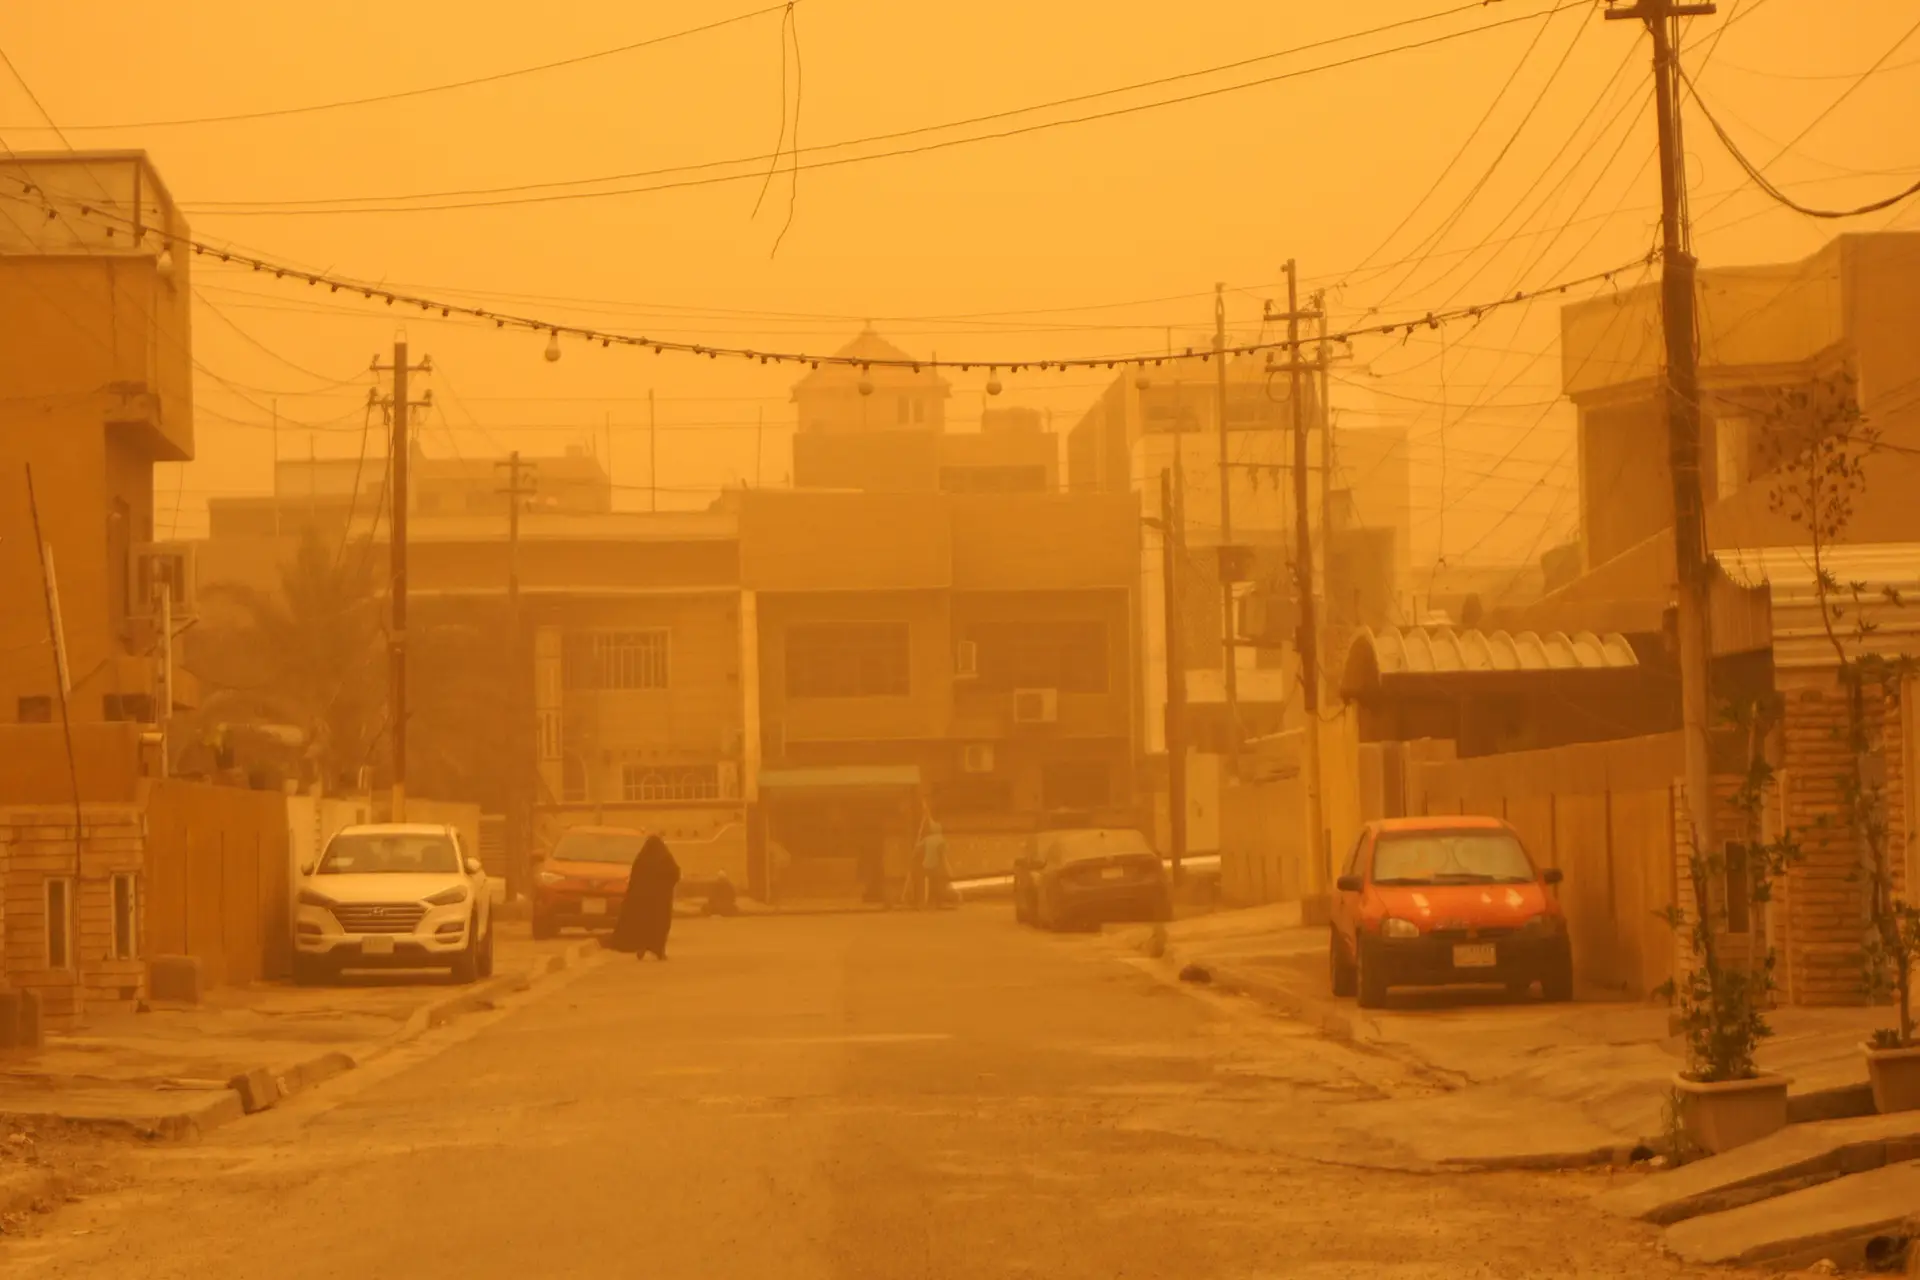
582, 882
1428, 902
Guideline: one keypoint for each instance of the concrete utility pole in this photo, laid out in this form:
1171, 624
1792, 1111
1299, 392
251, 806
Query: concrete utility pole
1171, 551
520, 731
1307, 638
1229, 653
1683, 410
400, 448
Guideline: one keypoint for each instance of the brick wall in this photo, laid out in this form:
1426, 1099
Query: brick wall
37, 845
1823, 912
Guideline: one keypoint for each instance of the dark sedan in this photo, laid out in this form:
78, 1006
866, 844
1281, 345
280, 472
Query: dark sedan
1086, 878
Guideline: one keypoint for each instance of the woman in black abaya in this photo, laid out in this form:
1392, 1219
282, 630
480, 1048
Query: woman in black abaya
647, 913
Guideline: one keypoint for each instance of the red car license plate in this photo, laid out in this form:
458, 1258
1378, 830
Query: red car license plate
1475, 955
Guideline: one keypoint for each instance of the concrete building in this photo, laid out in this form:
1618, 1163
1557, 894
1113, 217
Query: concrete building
1168, 421
883, 429
95, 388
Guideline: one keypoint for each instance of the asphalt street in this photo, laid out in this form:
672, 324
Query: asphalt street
912, 1095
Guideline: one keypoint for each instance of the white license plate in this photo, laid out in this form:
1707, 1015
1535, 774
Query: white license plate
593, 906
1113, 873
1479, 955
376, 946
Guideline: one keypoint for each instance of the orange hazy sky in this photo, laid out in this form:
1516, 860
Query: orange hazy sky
1014, 249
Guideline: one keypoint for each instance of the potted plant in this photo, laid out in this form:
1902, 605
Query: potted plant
1723, 1099
1893, 1056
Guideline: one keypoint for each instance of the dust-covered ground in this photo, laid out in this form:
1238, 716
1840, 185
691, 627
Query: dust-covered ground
913, 1095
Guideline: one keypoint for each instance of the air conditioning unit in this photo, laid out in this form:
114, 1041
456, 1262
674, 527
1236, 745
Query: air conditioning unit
169, 565
1036, 706
977, 757
966, 660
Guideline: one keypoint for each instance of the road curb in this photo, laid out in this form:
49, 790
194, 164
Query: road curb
259, 1090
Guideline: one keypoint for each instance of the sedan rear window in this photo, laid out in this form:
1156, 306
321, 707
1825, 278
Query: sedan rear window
365, 853
1451, 857
598, 846
1083, 846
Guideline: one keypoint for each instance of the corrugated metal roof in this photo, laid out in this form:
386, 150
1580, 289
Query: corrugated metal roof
1800, 633
1420, 650
1395, 651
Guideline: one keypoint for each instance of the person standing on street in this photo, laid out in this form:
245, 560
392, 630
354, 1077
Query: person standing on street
933, 862
647, 913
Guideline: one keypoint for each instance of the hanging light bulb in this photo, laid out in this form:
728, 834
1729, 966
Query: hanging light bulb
164, 264
993, 383
553, 347
866, 386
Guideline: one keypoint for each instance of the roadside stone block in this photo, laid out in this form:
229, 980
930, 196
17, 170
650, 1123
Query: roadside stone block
22, 1023
9, 1019
174, 979
257, 1088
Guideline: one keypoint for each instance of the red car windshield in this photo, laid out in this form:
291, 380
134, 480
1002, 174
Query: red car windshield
1451, 857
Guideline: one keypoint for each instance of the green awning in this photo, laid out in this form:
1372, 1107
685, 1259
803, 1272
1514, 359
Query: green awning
859, 777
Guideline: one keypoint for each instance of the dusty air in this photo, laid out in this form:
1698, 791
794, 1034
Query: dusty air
838, 640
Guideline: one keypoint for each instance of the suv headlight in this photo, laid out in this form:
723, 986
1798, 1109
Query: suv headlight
447, 897
314, 898
549, 877
1395, 928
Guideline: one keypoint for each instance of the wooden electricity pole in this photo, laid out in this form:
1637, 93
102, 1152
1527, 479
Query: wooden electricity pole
520, 749
400, 447
1229, 653
1171, 551
1692, 571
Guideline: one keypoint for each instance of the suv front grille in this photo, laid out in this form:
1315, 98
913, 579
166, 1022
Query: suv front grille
379, 917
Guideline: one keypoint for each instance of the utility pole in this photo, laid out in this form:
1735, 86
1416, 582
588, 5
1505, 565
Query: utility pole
653, 456
1683, 410
1324, 389
400, 448
519, 686
1176, 701
1307, 638
1229, 653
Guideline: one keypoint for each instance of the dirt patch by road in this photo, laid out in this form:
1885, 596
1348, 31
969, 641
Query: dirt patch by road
46, 1165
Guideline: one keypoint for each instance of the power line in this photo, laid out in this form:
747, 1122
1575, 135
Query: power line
426, 90
1767, 186
551, 192
608, 338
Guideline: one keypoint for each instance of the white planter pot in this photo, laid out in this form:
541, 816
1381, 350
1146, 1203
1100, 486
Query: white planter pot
1895, 1076
1723, 1114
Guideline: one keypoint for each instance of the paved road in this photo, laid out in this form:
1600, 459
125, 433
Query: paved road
875, 1096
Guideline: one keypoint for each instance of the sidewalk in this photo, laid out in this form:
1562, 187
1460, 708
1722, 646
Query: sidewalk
1520, 1083
174, 1073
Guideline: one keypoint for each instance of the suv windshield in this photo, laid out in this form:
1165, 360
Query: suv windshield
1477, 857
1080, 846
599, 846
368, 853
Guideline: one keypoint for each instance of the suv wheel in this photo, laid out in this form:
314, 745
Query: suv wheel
485, 965
1339, 972
466, 965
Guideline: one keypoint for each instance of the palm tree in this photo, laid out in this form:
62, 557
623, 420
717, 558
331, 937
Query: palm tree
307, 656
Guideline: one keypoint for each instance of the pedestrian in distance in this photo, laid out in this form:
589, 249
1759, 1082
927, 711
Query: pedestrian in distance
933, 862
647, 913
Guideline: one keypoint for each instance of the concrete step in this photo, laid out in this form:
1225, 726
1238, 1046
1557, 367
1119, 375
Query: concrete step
1838, 1220
1797, 1157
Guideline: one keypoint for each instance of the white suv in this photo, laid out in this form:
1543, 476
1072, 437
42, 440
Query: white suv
393, 895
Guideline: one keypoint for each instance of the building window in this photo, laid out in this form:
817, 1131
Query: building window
59, 904
136, 708
1068, 656
848, 660
640, 783
573, 779
601, 661
35, 710
126, 916
1076, 784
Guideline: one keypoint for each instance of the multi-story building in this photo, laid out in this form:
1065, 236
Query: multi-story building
95, 388
1168, 423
